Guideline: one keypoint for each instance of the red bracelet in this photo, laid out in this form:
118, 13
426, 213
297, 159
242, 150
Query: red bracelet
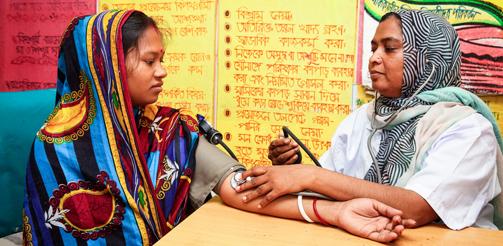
322, 221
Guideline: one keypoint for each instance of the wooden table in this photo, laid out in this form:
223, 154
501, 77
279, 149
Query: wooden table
217, 224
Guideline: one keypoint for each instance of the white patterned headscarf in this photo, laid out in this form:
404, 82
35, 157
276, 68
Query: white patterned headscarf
428, 41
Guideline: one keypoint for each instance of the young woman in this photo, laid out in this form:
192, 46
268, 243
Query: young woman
109, 167
424, 145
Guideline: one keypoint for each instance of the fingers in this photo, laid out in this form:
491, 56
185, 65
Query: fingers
259, 191
251, 183
254, 172
271, 196
287, 157
386, 210
383, 236
281, 150
409, 223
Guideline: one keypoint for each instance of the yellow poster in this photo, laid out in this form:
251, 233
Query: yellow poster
188, 29
284, 63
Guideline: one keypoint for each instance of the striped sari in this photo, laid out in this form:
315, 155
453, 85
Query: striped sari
98, 172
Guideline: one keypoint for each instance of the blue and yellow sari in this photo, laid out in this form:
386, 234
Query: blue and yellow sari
98, 172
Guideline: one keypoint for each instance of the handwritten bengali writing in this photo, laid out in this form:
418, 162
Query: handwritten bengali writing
281, 15
321, 120
43, 60
257, 40
199, 107
166, 6
335, 43
128, 6
316, 145
189, 19
286, 73
298, 42
313, 57
328, 102
193, 5
248, 66
461, 12
35, 49
184, 93
311, 132
53, 17
189, 31
250, 15
55, 6
28, 85
250, 125
249, 162
151, 7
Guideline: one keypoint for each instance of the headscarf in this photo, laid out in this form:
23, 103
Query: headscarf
95, 174
430, 49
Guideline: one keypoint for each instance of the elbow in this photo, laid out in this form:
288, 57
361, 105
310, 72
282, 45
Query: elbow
421, 212
228, 195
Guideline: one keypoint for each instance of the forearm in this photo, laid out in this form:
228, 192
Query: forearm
342, 187
283, 207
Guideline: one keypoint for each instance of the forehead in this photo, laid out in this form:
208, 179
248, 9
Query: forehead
150, 41
389, 28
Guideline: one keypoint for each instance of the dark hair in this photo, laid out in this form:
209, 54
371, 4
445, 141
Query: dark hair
133, 28
390, 14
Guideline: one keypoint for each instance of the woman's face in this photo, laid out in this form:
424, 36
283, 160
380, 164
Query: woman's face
386, 62
144, 68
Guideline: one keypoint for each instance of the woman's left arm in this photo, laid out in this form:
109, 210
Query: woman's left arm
275, 181
366, 218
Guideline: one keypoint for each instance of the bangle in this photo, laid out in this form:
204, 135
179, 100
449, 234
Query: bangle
322, 221
301, 209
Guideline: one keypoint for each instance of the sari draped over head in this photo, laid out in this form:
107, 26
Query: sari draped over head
96, 173
432, 58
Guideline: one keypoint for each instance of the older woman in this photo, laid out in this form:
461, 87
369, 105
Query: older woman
423, 146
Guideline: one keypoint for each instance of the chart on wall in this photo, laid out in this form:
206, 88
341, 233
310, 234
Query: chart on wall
188, 29
29, 44
480, 29
282, 63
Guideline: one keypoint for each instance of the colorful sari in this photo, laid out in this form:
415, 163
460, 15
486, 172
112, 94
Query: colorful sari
96, 175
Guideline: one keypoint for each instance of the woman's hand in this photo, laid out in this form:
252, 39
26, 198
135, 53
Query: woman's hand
272, 182
369, 218
283, 151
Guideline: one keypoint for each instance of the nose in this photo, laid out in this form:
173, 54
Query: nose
375, 58
160, 72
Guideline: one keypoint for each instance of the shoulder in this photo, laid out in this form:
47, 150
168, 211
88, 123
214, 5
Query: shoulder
190, 122
357, 118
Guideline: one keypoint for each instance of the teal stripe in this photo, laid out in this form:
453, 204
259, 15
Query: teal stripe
44, 167
68, 161
153, 164
458, 95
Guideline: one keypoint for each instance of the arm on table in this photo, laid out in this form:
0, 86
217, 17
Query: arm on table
362, 217
275, 181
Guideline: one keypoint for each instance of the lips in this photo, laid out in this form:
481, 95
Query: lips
157, 87
375, 74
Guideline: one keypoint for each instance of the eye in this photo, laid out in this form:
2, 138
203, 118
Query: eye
390, 49
149, 62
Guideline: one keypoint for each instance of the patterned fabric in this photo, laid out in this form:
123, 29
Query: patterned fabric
429, 41
96, 175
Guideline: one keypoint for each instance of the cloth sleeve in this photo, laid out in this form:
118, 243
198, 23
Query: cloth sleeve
458, 176
212, 167
347, 142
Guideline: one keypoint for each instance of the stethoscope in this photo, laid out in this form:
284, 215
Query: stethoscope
387, 122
